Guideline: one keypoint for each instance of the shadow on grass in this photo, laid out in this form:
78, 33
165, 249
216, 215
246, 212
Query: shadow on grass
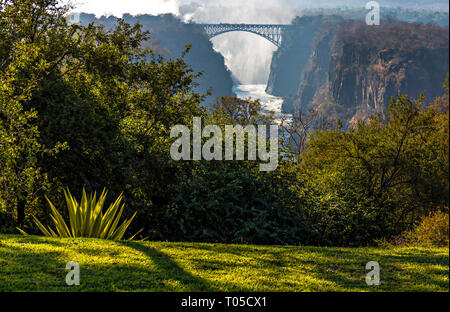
401, 270
25, 269
169, 269
25, 266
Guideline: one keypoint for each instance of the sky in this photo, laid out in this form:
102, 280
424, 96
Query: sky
118, 7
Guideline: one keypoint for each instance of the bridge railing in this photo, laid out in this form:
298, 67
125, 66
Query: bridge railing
272, 32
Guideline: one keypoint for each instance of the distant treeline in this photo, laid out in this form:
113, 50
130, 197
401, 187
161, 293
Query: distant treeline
417, 15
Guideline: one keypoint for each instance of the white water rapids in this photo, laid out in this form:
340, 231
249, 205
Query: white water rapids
257, 92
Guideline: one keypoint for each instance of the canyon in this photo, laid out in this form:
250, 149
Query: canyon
350, 70
339, 66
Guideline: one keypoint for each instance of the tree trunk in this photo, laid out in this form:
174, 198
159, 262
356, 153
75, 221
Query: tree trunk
20, 211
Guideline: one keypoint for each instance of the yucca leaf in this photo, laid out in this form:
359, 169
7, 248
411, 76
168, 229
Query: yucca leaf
22, 232
84, 212
78, 215
108, 218
132, 237
98, 213
52, 232
118, 233
58, 227
116, 221
59, 221
122, 228
41, 227
72, 213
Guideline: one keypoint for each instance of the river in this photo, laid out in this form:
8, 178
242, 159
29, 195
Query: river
257, 91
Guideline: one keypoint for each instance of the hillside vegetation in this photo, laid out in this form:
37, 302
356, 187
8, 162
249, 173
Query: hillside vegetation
350, 70
168, 38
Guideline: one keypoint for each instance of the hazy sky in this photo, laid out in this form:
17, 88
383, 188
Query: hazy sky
118, 7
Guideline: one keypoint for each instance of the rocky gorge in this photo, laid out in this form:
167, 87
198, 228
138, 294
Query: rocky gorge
349, 70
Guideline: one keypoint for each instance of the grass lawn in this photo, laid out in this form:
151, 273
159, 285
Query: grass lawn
38, 264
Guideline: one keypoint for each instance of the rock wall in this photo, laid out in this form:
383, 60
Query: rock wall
353, 70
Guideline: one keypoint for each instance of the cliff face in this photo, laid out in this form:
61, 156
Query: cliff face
371, 66
354, 69
168, 37
290, 61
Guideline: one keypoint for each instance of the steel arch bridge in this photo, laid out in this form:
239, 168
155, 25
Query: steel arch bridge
272, 32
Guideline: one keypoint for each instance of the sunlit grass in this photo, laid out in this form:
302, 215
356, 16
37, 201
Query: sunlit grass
38, 264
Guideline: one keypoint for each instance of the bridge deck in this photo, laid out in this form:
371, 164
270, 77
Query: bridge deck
272, 32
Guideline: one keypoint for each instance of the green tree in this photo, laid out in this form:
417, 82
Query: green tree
108, 101
20, 175
382, 175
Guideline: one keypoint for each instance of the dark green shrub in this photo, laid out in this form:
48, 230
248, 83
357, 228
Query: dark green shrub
234, 203
7, 224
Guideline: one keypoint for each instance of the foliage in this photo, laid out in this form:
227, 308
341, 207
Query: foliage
230, 110
235, 203
394, 35
297, 129
222, 201
169, 36
21, 176
431, 231
86, 218
99, 99
7, 224
381, 176
94, 99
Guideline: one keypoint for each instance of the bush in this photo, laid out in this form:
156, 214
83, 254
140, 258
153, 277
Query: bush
381, 176
7, 224
433, 230
105, 108
231, 203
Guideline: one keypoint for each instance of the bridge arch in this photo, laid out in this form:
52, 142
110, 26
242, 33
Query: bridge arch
272, 32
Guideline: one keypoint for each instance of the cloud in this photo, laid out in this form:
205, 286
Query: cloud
119, 7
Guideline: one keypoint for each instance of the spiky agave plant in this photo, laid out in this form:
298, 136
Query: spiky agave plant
86, 219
